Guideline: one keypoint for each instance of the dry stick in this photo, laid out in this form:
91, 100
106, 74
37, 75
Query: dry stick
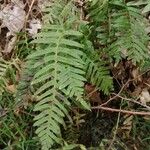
122, 111
27, 16
117, 95
147, 84
134, 101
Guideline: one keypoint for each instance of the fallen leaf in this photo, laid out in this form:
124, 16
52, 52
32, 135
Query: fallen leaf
13, 17
42, 4
145, 96
10, 45
34, 26
92, 94
135, 74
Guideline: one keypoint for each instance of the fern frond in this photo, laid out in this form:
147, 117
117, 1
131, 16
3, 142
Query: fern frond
60, 70
96, 70
130, 34
119, 28
51, 116
144, 3
98, 9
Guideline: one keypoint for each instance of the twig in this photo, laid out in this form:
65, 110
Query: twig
24, 112
30, 8
147, 84
134, 101
118, 95
122, 111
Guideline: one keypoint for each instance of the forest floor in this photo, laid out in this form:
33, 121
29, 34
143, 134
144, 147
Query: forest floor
117, 122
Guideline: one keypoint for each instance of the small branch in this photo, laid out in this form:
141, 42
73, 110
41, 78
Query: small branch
134, 101
118, 95
122, 111
30, 8
147, 84
27, 16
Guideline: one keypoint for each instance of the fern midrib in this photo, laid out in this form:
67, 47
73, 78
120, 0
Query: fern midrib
56, 69
109, 21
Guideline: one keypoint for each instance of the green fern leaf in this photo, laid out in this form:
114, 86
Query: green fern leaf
118, 26
131, 38
61, 72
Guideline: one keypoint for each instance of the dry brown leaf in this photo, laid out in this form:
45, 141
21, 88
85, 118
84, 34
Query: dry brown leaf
10, 45
92, 94
13, 17
136, 92
145, 96
35, 25
135, 74
43, 3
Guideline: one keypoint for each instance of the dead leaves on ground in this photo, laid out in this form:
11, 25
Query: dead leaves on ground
16, 17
